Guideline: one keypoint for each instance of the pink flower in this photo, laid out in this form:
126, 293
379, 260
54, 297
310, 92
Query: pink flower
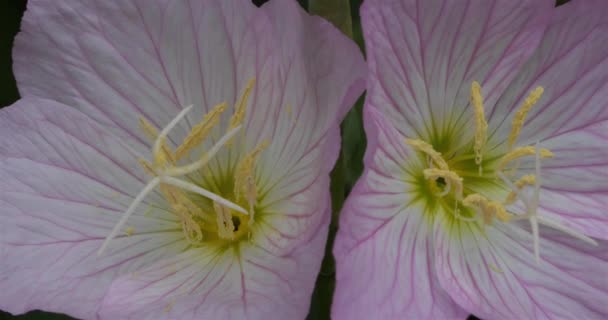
486, 182
194, 137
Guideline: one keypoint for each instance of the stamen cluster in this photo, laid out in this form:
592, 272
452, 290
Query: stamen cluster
169, 176
444, 180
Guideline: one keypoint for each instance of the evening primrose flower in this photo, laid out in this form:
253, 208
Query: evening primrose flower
486, 181
170, 159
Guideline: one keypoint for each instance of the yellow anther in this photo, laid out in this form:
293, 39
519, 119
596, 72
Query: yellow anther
499, 211
225, 226
474, 200
481, 125
130, 231
149, 130
148, 168
190, 228
244, 180
164, 156
200, 131
488, 209
528, 179
241, 106
520, 115
185, 210
452, 179
426, 148
522, 152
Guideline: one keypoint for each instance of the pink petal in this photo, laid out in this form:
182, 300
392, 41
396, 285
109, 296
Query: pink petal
170, 54
424, 55
214, 283
571, 64
313, 75
493, 274
117, 60
571, 118
383, 248
575, 183
65, 181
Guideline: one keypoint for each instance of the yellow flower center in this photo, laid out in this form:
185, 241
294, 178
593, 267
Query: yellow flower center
221, 211
475, 185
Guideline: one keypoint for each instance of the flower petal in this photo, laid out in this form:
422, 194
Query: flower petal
314, 74
65, 181
493, 274
575, 183
118, 60
247, 282
317, 75
571, 118
571, 64
424, 55
383, 249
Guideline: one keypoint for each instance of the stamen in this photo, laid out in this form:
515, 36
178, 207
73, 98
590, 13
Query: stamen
426, 148
225, 226
148, 168
489, 209
251, 194
190, 228
481, 125
183, 170
532, 210
244, 181
514, 189
500, 212
520, 115
205, 193
148, 129
449, 176
528, 179
165, 175
200, 131
522, 152
180, 202
241, 107
140, 197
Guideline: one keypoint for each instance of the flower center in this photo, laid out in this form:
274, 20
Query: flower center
223, 211
472, 185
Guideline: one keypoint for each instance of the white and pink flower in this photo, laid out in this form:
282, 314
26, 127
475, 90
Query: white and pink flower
486, 181
224, 114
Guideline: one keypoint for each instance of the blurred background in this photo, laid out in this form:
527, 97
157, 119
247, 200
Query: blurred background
344, 14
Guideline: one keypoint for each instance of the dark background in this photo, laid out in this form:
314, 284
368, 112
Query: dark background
11, 12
